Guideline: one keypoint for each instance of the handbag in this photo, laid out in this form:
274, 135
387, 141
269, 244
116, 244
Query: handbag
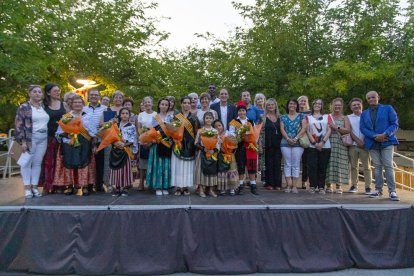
347, 140
304, 141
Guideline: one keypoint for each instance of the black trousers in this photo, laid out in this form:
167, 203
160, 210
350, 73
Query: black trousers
305, 169
317, 166
273, 164
100, 161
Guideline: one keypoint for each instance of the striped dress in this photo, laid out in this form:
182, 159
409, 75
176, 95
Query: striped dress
122, 177
338, 167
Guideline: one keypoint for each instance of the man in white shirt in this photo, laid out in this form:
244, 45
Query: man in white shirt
226, 112
95, 112
357, 151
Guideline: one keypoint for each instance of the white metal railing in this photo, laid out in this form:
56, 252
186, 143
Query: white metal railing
408, 185
8, 169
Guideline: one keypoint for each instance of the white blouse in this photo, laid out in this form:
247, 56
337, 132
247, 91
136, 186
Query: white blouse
39, 119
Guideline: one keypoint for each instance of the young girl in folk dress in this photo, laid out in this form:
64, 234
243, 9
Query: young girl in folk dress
121, 174
205, 176
227, 176
246, 158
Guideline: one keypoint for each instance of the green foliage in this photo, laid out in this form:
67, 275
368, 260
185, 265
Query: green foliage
320, 48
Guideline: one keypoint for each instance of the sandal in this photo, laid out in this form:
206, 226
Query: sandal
177, 192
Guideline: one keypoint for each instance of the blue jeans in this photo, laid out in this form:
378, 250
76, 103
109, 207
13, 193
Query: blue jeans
383, 158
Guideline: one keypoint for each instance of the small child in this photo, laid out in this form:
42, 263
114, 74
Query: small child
119, 161
227, 177
205, 176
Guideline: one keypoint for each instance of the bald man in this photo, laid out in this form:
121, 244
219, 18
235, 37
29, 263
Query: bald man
379, 123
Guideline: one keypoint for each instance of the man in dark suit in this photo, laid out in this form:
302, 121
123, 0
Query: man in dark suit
379, 123
226, 112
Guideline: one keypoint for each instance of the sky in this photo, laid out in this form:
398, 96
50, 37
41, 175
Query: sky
188, 17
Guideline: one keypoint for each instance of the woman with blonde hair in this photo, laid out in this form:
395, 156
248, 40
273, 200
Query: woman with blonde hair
260, 103
305, 110
31, 133
338, 167
270, 154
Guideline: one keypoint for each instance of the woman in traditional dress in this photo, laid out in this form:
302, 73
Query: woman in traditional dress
159, 161
31, 133
205, 99
182, 162
227, 176
78, 170
246, 158
111, 113
205, 175
320, 147
120, 162
270, 158
145, 122
55, 108
338, 167
292, 127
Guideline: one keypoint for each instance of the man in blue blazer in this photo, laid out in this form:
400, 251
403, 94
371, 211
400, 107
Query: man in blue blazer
226, 112
379, 123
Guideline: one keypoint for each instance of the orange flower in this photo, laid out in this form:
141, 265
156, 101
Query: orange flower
72, 126
150, 136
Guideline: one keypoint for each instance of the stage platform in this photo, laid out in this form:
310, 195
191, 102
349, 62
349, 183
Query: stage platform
147, 234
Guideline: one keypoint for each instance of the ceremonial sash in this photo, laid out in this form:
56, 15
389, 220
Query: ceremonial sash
236, 123
187, 124
162, 125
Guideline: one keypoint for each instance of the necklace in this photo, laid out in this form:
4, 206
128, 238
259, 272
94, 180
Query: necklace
38, 106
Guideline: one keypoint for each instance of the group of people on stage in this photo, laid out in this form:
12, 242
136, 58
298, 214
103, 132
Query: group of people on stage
209, 144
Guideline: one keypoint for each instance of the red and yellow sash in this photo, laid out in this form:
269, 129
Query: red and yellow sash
162, 125
235, 123
187, 124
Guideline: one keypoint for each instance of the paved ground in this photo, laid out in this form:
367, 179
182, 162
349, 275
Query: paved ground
12, 195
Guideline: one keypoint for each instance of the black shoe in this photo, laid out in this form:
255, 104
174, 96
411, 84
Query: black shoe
99, 189
240, 190
352, 190
368, 191
124, 193
253, 189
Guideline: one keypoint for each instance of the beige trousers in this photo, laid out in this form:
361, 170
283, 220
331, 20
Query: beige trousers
356, 154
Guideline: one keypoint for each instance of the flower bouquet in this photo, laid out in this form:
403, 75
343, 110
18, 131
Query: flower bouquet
175, 130
241, 132
72, 126
209, 139
110, 133
228, 146
150, 136
252, 136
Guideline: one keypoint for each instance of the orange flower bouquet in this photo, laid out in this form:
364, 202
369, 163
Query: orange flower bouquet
150, 136
110, 133
209, 139
72, 126
175, 130
228, 146
252, 136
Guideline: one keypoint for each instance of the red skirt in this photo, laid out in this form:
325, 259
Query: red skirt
77, 177
47, 174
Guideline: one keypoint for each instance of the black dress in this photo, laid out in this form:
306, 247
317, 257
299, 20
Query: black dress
273, 153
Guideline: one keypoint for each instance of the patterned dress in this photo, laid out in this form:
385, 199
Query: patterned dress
338, 167
199, 177
120, 176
